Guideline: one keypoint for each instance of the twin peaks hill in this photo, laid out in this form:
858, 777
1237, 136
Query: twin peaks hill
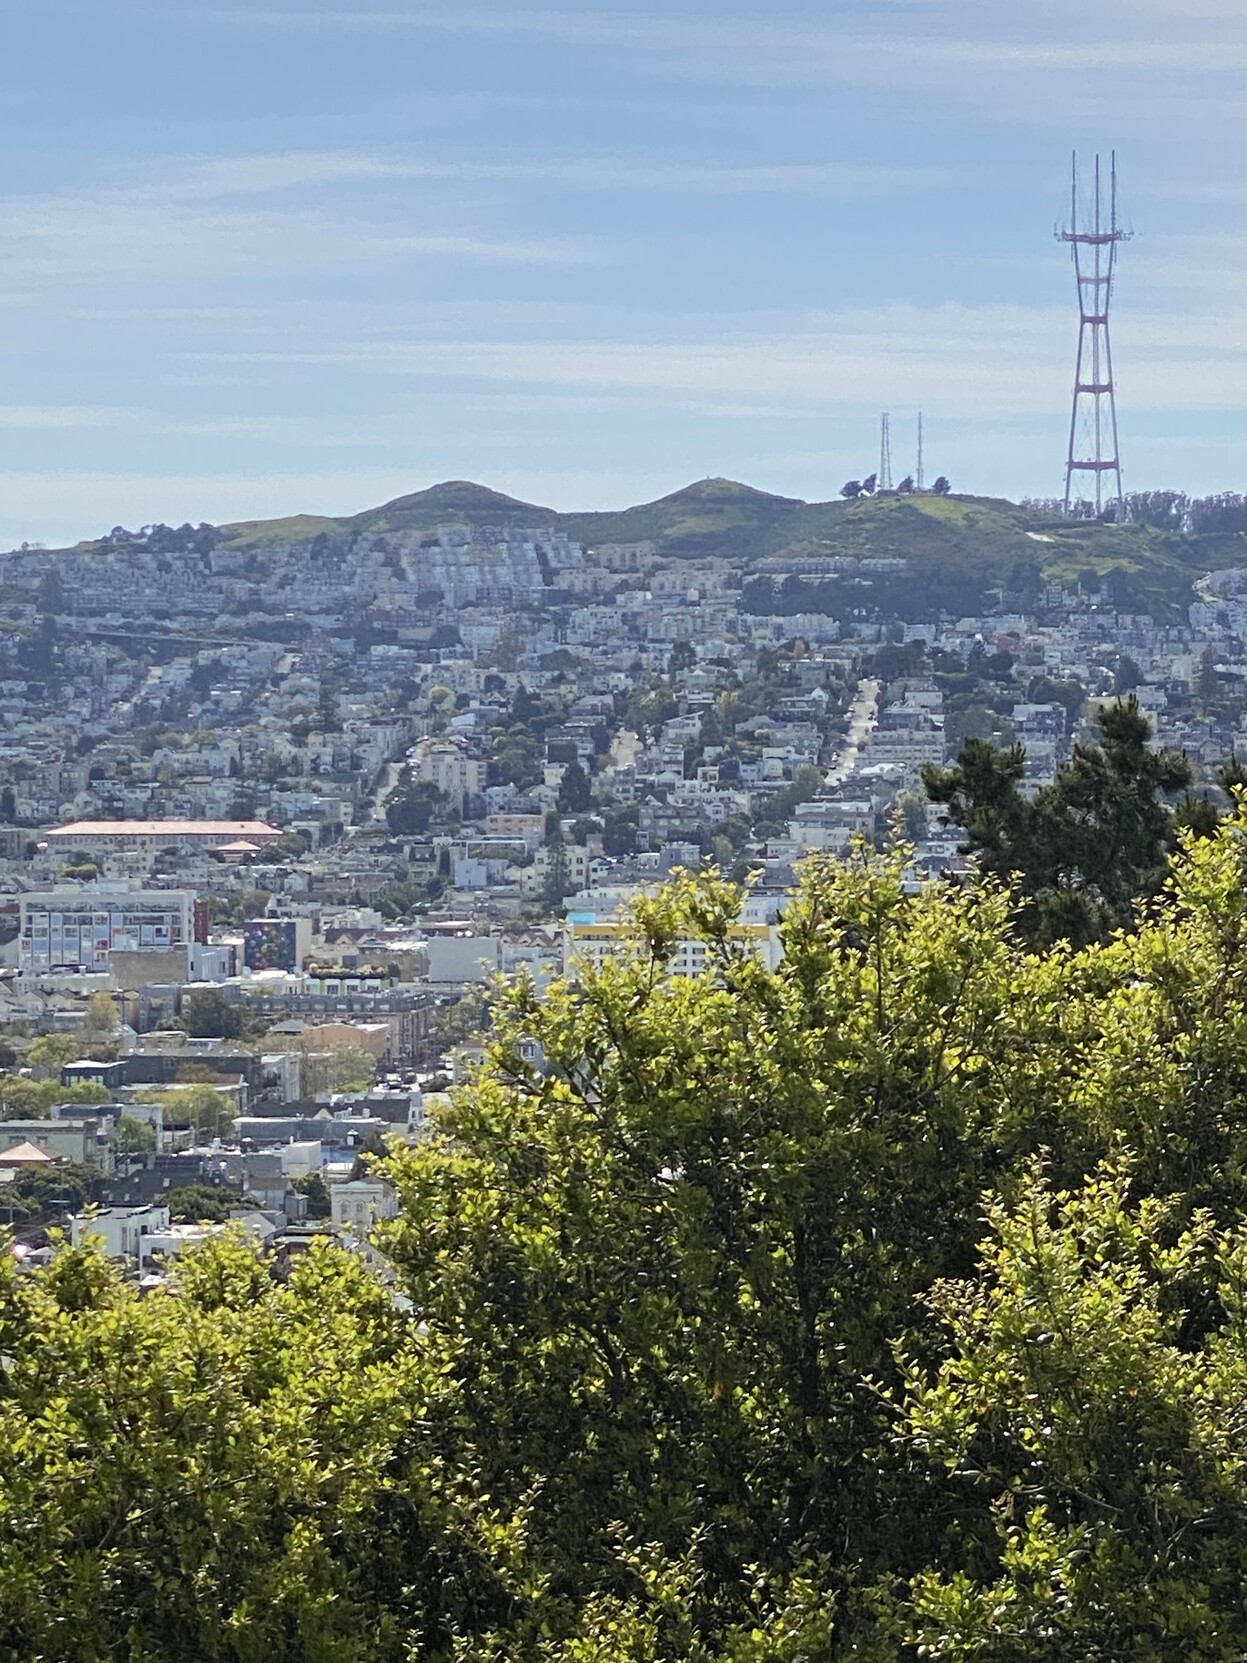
959, 548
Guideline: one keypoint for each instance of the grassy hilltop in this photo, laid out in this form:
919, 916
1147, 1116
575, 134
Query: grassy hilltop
960, 548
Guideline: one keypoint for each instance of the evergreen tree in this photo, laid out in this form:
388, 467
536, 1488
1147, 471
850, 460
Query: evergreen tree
1084, 850
575, 794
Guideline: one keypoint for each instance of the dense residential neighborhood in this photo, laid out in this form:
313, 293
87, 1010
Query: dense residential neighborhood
278, 806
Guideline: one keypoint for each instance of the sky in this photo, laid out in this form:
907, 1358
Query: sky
259, 259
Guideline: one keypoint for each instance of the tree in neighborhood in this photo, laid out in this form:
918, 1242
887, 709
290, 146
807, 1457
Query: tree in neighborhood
44, 1197
468, 1018
50, 1052
683, 657
315, 1191
134, 1136
575, 794
1208, 682
199, 1204
507, 650
557, 885
412, 809
209, 1112
207, 1014
100, 1020
26, 1099
1086, 849
1127, 676
619, 831
342, 1068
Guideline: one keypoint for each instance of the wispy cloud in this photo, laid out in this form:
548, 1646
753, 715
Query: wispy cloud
293, 170
976, 363
146, 233
52, 417
793, 47
205, 218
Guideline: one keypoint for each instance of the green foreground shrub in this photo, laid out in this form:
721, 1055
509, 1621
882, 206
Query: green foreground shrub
887, 1306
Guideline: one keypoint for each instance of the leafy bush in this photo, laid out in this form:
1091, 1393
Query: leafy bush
887, 1305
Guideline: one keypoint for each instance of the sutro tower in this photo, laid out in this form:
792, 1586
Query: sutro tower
1093, 422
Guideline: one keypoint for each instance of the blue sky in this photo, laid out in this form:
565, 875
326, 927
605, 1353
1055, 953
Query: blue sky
257, 259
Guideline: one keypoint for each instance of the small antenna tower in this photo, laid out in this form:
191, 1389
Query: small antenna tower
885, 453
1093, 421
918, 479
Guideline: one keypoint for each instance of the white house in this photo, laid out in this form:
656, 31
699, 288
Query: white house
122, 1231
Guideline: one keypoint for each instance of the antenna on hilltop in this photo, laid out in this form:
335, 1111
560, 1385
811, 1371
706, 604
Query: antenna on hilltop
918, 479
1093, 421
885, 453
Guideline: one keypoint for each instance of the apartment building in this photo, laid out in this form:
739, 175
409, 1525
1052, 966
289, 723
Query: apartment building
450, 770
76, 927
149, 837
592, 943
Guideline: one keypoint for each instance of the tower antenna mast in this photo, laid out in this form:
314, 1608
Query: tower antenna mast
885, 453
1093, 446
918, 479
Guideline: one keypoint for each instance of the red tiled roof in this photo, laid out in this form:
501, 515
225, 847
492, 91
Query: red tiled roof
166, 828
25, 1154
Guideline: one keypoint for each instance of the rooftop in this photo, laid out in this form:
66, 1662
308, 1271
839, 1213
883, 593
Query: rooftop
173, 829
25, 1154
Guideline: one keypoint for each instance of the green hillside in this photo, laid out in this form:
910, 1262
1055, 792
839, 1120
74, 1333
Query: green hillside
712, 517
457, 502
960, 548
296, 528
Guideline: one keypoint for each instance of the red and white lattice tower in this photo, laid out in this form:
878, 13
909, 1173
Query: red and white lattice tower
1093, 444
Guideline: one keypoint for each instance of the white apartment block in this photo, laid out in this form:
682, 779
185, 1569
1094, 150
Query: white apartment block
122, 1232
359, 1204
76, 928
450, 770
592, 944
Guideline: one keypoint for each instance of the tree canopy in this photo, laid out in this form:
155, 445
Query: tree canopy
1084, 851
885, 1306
50, 1052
